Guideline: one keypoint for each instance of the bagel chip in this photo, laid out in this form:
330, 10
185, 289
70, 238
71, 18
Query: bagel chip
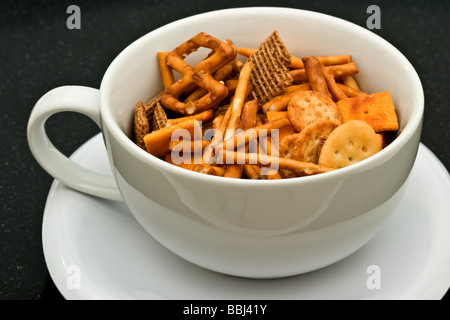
307, 107
309, 142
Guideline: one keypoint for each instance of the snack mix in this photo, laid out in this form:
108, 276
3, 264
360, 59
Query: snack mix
261, 113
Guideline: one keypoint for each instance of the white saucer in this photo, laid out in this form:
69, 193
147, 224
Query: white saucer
95, 249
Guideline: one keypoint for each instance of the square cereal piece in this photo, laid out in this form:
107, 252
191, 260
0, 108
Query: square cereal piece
270, 74
376, 109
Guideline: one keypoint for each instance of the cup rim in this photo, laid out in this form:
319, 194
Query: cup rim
407, 132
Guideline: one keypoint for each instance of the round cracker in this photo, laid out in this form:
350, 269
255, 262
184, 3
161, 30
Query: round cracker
307, 107
349, 143
310, 140
286, 146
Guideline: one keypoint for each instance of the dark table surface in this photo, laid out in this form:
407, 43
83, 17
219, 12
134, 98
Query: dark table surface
38, 52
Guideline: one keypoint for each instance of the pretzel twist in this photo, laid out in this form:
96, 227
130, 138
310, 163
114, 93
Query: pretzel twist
223, 52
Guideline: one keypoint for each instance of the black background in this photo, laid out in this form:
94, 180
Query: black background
38, 52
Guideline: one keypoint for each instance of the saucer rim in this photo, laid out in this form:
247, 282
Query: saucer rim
435, 290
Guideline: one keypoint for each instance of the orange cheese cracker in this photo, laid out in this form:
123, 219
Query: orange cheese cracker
157, 142
376, 109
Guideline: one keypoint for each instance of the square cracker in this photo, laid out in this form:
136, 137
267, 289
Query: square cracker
376, 109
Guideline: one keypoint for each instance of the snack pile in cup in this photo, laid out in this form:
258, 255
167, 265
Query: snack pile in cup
261, 113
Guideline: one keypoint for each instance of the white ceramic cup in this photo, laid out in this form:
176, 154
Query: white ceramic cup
259, 229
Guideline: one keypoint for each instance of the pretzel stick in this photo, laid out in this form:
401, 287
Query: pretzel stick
351, 82
195, 146
231, 84
237, 65
246, 136
224, 123
338, 71
252, 171
217, 121
266, 147
239, 98
280, 103
297, 63
314, 73
166, 71
294, 87
335, 60
248, 120
246, 52
298, 167
335, 91
350, 92
204, 116
249, 112
219, 132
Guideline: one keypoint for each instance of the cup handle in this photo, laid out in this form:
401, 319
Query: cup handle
79, 99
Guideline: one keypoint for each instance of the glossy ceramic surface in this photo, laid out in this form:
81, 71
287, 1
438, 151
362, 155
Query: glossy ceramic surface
101, 242
260, 229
